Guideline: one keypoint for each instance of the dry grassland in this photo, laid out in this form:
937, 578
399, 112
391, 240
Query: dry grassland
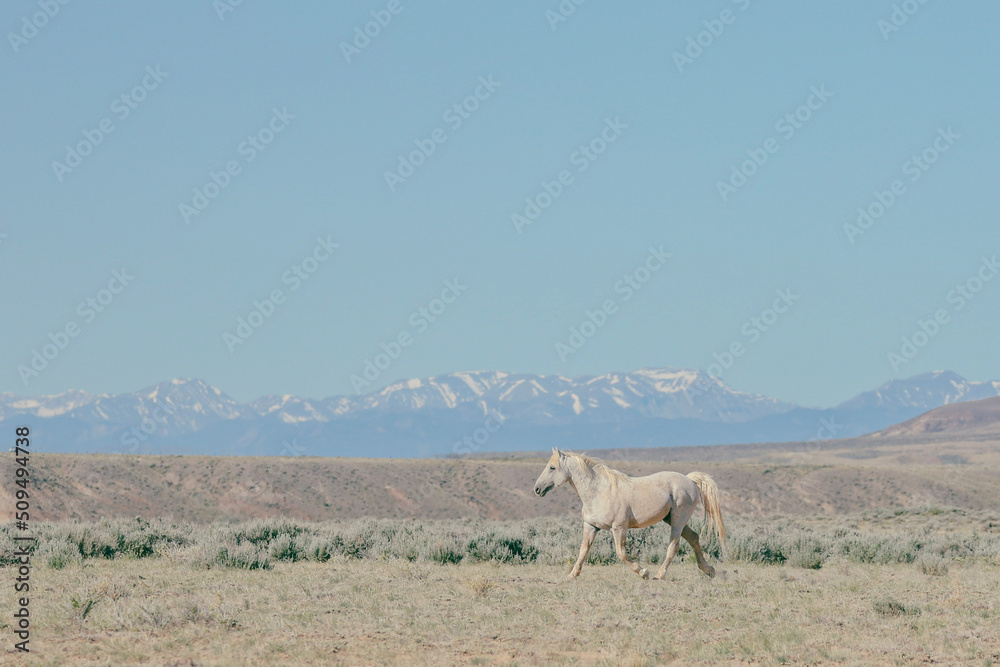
818, 573
397, 612
891, 587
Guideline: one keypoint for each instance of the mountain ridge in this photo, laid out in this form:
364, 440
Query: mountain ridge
429, 416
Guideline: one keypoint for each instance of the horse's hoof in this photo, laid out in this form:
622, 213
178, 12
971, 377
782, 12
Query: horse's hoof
658, 577
711, 572
573, 575
644, 573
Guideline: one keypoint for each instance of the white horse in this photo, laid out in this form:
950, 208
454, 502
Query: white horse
612, 499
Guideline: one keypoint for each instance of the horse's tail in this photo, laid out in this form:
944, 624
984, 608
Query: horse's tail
713, 513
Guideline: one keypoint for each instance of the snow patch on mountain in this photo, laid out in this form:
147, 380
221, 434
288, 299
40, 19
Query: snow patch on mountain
455, 401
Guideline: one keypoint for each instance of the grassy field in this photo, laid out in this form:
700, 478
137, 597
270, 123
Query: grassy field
397, 612
883, 587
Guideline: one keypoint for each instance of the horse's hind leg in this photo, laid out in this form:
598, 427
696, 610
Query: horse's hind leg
692, 539
589, 532
675, 544
619, 533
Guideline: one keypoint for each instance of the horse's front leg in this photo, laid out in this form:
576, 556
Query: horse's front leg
589, 532
619, 533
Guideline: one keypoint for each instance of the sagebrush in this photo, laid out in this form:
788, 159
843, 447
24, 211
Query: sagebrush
258, 544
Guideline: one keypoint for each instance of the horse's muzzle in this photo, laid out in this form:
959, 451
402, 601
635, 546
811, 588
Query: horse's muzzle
539, 491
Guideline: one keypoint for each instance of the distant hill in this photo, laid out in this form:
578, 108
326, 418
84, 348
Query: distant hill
980, 417
461, 413
826, 477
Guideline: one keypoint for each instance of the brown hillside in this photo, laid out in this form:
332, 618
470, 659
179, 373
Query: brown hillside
982, 417
827, 477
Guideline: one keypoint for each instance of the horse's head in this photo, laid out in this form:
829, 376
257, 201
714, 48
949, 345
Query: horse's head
554, 473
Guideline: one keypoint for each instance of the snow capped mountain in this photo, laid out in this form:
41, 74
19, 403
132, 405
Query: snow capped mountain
44, 406
648, 407
658, 393
925, 392
177, 406
290, 409
444, 391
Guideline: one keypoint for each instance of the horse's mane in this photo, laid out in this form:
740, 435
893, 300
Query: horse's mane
596, 468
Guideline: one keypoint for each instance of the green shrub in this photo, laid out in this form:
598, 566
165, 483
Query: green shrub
935, 566
891, 607
262, 532
500, 548
318, 550
58, 555
255, 545
807, 552
243, 556
284, 548
444, 554
880, 549
811, 560
758, 547
356, 546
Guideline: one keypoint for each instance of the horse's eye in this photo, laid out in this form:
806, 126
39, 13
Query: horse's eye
552, 467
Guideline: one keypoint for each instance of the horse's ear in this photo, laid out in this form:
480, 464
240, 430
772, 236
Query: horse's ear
555, 450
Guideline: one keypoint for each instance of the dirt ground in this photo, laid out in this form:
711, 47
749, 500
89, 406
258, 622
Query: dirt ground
154, 611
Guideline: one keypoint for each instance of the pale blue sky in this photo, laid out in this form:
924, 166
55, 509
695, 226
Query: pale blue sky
323, 175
